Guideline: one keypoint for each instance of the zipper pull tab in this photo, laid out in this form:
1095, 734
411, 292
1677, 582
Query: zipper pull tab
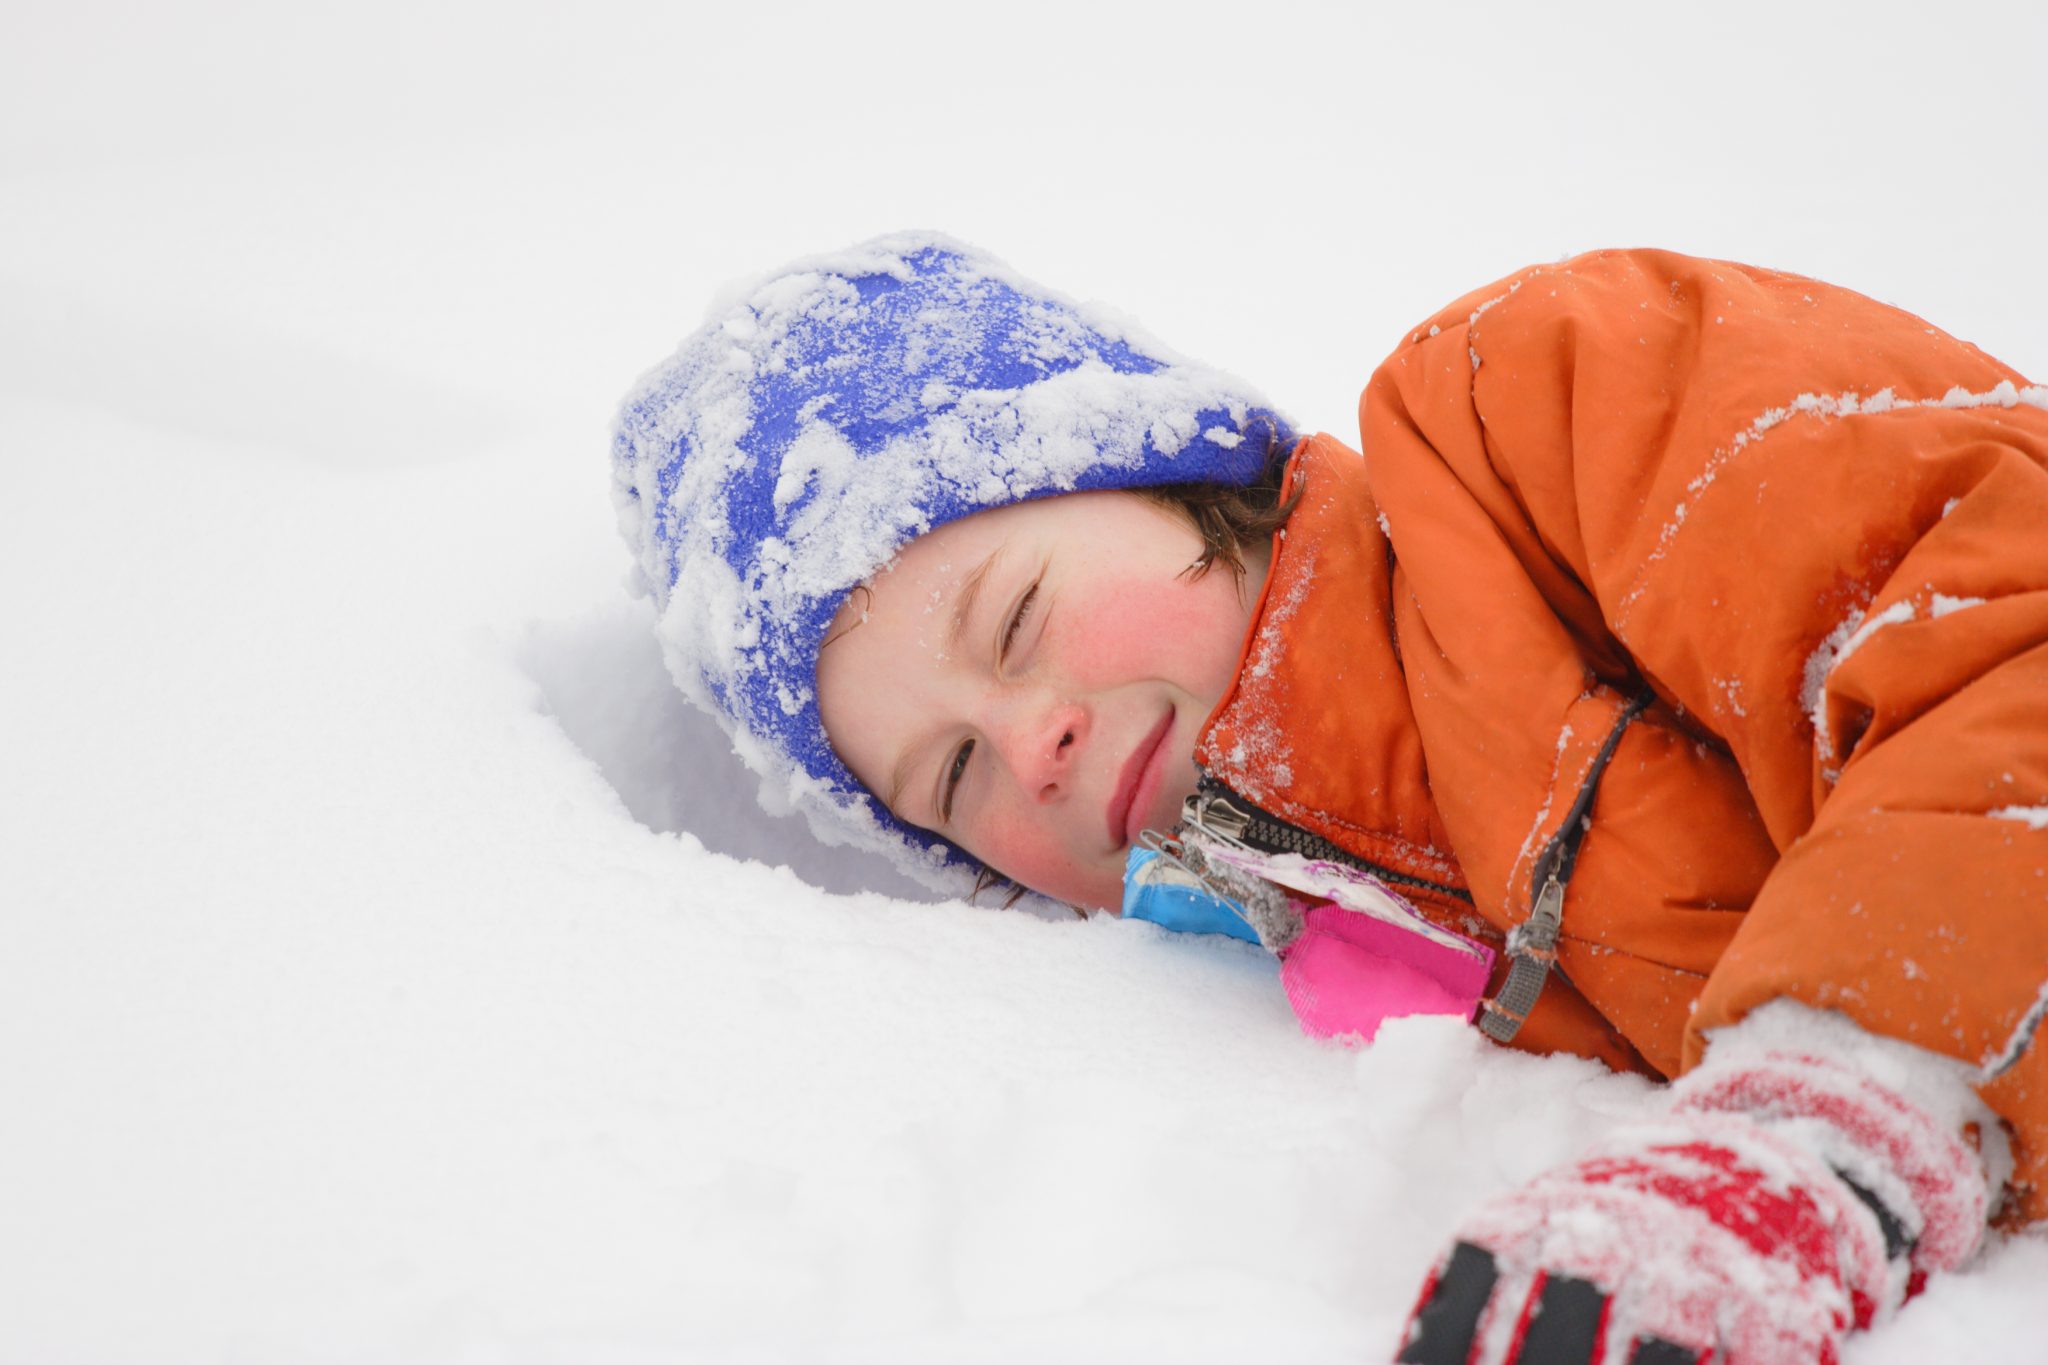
1538, 933
1212, 814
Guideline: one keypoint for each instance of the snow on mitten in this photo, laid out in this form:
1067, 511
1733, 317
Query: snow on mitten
1785, 1200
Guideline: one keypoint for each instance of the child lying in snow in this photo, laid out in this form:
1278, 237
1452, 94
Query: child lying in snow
1672, 669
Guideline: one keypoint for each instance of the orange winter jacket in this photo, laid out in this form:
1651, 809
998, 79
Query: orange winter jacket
1813, 532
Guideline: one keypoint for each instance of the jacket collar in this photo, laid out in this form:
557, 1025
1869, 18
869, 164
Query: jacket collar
1318, 728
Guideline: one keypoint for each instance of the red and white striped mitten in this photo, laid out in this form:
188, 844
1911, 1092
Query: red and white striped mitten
1785, 1200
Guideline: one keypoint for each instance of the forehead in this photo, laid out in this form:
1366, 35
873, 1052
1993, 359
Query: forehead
917, 586
934, 565
1063, 517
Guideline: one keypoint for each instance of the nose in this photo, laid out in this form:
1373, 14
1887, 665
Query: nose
1039, 737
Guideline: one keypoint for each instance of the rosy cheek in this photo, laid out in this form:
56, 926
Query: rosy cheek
1022, 848
1178, 629
1032, 852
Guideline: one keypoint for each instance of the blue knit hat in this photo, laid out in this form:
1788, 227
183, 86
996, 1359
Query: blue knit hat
843, 407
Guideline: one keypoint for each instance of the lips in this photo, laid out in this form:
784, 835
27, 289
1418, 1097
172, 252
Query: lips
1138, 783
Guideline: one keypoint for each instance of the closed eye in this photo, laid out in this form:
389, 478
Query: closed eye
1017, 619
955, 770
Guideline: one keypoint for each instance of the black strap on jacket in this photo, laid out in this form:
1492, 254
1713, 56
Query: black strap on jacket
1532, 944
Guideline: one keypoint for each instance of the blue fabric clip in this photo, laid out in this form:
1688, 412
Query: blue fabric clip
1159, 889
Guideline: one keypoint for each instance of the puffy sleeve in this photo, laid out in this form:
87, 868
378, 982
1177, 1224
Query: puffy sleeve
1818, 528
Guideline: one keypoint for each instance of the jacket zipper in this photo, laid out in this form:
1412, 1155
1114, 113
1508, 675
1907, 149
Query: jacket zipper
1532, 944
1218, 809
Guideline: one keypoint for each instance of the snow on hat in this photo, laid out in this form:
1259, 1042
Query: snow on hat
844, 406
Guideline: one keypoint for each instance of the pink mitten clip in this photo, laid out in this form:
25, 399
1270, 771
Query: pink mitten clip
1364, 954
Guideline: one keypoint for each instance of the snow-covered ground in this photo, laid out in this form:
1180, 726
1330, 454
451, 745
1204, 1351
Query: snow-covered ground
392, 969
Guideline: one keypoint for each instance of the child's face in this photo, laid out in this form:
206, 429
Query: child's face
1028, 681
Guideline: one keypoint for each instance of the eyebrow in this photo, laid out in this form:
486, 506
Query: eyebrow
956, 626
964, 598
899, 777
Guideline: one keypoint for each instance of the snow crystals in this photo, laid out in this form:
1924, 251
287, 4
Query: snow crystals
1823, 407
1941, 604
1528, 849
1260, 762
1731, 692
1848, 636
2033, 817
2022, 1037
1472, 323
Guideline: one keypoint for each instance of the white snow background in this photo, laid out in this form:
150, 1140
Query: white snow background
392, 969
